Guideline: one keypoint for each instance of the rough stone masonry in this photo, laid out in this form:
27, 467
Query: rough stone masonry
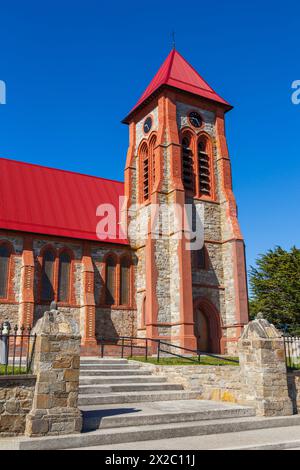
56, 366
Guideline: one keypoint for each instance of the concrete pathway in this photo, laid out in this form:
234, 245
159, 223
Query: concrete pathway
263, 439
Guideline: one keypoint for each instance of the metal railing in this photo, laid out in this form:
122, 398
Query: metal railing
292, 351
127, 345
17, 347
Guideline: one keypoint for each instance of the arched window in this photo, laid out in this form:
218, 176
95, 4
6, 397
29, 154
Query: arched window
110, 281
143, 313
200, 258
5, 253
64, 277
47, 291
187, 164
145, 171
204, 168
152, 158
125, 281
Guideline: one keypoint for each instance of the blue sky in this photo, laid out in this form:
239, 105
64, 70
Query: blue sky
73, 70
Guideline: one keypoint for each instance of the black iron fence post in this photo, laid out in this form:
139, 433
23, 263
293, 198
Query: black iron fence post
158, 350
122, 350
146, 350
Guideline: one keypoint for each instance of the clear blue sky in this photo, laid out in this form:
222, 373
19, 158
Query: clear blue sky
74, 68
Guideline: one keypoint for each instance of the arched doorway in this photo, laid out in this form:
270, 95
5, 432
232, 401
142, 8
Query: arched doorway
201, 330
207, 326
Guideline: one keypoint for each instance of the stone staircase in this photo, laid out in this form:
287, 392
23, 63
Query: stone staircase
117, 381
122, 402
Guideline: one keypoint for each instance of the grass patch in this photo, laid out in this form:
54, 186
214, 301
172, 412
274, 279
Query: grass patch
293, 365
178, 361
11, 371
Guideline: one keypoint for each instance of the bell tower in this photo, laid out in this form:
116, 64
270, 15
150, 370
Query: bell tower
178, 159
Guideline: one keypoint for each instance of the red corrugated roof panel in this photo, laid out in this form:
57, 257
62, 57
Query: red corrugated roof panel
48, 201
178, 73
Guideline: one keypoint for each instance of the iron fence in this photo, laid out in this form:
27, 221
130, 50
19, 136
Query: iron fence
292, 351
16, 349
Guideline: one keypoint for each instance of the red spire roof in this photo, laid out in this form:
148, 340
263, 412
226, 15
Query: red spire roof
178, 73
47, 201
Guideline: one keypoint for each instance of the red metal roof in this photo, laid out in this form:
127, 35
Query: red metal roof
48, 201
178, 73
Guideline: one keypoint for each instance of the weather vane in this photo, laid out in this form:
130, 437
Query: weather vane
173, 39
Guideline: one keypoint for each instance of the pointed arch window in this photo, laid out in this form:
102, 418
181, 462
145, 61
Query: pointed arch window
64, 277
152, 158
5, 253
204, 168
145, 169
110, 281
47, 291
187, 164
200, 258
125, 281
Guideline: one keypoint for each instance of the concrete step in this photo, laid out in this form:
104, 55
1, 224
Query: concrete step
152, 432
124, 388
93, 366
103, 361
123, 379
135, 397
108, 372
177, 411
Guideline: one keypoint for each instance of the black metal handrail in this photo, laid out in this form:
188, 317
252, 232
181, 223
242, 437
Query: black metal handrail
17, 347
158, 346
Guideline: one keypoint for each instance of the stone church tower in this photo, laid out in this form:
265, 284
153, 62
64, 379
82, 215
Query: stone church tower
178, 156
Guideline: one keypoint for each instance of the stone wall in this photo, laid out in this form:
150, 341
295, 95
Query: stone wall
294, 390
221, 383
16, 397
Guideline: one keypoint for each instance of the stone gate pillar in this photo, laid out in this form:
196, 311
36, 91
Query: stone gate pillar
56, 366
263, 369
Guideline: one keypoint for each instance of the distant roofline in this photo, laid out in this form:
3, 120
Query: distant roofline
60, 169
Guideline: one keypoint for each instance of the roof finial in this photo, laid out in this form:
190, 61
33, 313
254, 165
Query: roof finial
173, 40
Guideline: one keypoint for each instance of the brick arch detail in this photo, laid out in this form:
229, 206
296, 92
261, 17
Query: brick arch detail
214, 321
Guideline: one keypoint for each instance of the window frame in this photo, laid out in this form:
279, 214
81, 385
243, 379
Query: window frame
102, 302
71, 301
9, 291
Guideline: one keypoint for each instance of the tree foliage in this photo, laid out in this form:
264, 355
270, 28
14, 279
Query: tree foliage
275, 288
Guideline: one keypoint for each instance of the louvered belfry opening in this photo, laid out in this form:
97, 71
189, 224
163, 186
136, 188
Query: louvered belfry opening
145, 171
204, 168
187, 165
152, 156
4, 265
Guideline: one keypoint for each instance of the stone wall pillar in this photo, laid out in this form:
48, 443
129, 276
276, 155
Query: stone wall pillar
263, 369
56, 366
88, 309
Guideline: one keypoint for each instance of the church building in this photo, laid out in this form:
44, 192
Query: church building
149, 283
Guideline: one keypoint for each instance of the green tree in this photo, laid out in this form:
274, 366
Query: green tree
275, 288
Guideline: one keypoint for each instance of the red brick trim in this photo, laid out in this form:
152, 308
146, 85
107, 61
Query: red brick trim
214, 321
10, 294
